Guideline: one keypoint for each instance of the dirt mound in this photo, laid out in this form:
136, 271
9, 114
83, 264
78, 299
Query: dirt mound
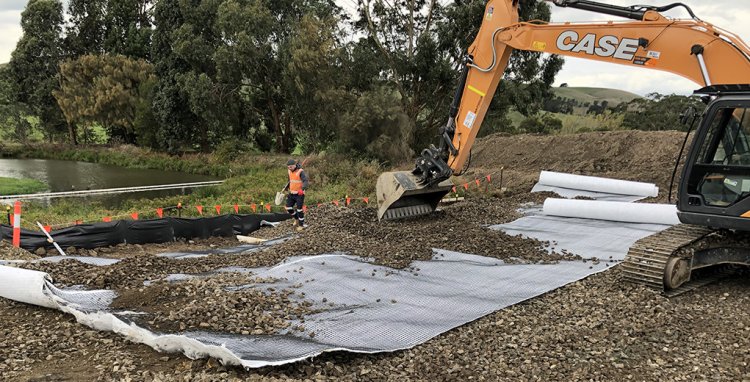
645, 156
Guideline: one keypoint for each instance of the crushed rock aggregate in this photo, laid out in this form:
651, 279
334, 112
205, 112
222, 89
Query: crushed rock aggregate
596, 329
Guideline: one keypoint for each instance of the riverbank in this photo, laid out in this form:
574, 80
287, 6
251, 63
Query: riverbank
250, 179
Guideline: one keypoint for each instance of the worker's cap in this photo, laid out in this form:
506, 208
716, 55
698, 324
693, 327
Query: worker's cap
291, 162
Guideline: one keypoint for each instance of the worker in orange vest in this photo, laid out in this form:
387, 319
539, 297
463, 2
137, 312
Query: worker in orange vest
296, 198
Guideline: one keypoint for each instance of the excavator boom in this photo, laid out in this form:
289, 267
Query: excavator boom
690, 48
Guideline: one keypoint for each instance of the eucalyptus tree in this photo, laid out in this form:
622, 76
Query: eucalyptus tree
34, 63
109, 26
403, 39
170, 104
317, 81
264, 52
14, 124
128, 27
85, 30
421, 45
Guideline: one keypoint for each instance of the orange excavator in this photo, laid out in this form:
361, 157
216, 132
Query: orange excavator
715, 183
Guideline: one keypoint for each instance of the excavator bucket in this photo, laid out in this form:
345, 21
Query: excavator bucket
401, 196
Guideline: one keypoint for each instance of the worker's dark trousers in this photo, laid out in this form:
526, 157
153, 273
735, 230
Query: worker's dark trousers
294, 205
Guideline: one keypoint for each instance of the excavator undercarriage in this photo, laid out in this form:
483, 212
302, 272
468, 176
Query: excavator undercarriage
669, 260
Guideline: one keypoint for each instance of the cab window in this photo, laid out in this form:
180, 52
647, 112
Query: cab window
726, 146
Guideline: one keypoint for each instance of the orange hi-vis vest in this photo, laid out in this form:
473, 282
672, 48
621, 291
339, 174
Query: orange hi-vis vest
295, 180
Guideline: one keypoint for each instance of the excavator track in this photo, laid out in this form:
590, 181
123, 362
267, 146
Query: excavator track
704, 279
650, 259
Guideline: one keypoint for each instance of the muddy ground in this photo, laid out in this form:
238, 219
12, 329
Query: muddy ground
597, 329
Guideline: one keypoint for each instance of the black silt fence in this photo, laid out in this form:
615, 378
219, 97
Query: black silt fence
164, 230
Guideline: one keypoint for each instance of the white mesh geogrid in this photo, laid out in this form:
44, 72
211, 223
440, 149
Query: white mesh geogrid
586, 237
389, 311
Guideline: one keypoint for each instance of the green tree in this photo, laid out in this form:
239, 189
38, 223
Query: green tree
378, 127
199, 96
109, 26
86, 27
315, 82
104, 90
421, 45
146, 125
658, 112
128, 28
256, 55
403, 39
211, 101
34, 62
170, 104
14, 125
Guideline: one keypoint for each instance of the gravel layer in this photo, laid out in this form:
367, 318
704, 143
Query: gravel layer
600, 328
595, 329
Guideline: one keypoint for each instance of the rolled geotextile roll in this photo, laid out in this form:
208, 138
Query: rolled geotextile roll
24, 285
613, 211
592, 183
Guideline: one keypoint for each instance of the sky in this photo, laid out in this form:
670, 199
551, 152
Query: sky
731, 15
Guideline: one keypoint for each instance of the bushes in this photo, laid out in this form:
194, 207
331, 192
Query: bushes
546, 124
231, 149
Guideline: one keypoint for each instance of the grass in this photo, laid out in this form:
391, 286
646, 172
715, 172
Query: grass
12, 186
585, 94
585, 123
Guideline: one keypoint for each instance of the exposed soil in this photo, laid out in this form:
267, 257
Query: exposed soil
645, 156
599, 328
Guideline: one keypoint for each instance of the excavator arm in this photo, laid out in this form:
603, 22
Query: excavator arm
691, 48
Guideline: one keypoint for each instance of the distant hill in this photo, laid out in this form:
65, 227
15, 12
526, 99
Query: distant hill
584, 95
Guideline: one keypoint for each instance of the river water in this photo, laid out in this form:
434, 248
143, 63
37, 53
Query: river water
62, 175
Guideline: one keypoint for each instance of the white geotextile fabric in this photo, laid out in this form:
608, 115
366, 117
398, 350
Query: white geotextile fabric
585, 237
103, 261
238, 250
604, 228
647, 213
571, 185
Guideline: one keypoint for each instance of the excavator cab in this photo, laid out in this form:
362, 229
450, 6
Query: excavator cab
715, 182
714, 192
